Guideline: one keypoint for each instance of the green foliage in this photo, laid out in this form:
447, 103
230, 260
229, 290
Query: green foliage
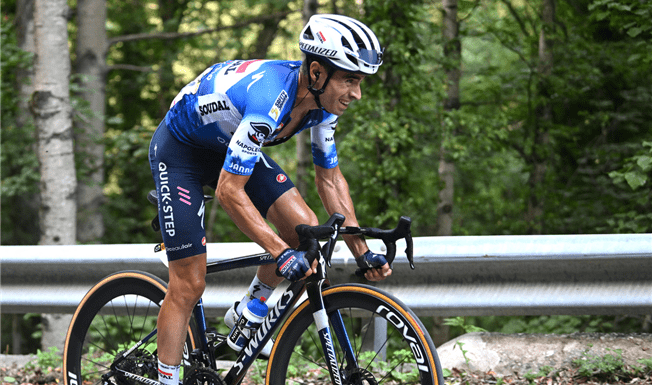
558, 324
637, 170
383, 134
48, 359
610, 366
461, 322
598, 121
626, 16
18, 161
395, 367
128, 213
543, 372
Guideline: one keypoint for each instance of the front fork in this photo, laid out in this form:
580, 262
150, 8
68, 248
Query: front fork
322, 319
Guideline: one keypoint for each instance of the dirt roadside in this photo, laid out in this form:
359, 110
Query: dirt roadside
474, 359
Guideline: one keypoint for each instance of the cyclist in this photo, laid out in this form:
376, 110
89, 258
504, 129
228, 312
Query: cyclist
213, 135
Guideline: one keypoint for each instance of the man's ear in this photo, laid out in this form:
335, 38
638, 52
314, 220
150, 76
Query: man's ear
315, 71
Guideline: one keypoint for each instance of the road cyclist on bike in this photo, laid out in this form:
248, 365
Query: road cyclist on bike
213, 134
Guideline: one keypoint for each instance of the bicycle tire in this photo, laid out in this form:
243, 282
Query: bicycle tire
409, 347
118, 311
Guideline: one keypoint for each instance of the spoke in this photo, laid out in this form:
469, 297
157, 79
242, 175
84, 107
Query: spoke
133, 317
351, 326
310, 359
368, 327
142, 329
97, 372
390, 371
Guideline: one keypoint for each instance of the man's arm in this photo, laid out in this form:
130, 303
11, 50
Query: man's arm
334, 193
235, 201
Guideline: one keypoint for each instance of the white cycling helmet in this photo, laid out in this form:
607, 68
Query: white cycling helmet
346, 43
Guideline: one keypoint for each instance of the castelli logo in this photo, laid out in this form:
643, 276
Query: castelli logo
203, 241
280, 178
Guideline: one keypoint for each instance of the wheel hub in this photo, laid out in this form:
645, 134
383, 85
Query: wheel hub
360, 376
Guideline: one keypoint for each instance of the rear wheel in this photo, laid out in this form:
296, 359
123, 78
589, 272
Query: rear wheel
390, 344
113, 316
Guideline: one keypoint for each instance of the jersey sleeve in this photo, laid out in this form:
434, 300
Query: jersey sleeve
324, 152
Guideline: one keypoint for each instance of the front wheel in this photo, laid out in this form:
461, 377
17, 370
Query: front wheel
113, 316
390, 343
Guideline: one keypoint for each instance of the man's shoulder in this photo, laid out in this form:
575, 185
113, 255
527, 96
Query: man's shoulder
267, 89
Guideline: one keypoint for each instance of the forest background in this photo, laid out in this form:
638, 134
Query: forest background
488, 117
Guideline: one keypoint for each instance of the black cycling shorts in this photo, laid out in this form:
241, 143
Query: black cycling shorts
180, 172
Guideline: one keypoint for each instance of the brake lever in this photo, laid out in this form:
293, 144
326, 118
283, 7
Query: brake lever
389, 238
409, 246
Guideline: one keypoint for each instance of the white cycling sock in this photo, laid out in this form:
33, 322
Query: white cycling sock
257, 289
168, 374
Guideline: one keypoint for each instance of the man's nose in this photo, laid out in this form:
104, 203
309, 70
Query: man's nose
356, 92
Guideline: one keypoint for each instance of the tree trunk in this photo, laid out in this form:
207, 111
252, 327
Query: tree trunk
304, 152
90, 64
50, 105
452, 51
543, 120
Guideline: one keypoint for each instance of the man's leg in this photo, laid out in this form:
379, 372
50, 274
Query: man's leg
286, 213
187, 284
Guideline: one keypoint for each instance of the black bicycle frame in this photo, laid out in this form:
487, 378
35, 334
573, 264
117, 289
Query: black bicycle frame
274, 319
313, 285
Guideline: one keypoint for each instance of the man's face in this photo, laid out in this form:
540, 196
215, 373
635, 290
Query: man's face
342, 89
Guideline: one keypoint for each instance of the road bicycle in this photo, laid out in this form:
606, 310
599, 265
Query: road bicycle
341, 334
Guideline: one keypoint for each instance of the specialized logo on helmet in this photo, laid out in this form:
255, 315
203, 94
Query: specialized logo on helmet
260, 132
318, 51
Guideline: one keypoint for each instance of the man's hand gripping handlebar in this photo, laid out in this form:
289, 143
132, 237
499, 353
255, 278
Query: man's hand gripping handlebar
330, 231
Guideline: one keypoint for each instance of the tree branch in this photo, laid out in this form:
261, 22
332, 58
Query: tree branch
182, 35
516, 16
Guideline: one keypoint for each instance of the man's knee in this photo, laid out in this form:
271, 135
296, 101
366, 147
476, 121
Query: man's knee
188, 279
307, 217
187, 291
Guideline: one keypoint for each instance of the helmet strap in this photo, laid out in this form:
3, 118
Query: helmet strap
315, 92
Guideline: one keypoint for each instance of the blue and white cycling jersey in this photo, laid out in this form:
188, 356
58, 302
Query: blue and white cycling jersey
239, 106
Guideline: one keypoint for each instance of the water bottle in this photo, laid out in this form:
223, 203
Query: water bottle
247, 324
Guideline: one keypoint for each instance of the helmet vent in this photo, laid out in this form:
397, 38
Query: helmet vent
346, 44
307, 34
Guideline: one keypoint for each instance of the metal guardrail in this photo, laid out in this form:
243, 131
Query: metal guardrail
465, 275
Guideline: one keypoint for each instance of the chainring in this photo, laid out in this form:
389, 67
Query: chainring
202, 376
